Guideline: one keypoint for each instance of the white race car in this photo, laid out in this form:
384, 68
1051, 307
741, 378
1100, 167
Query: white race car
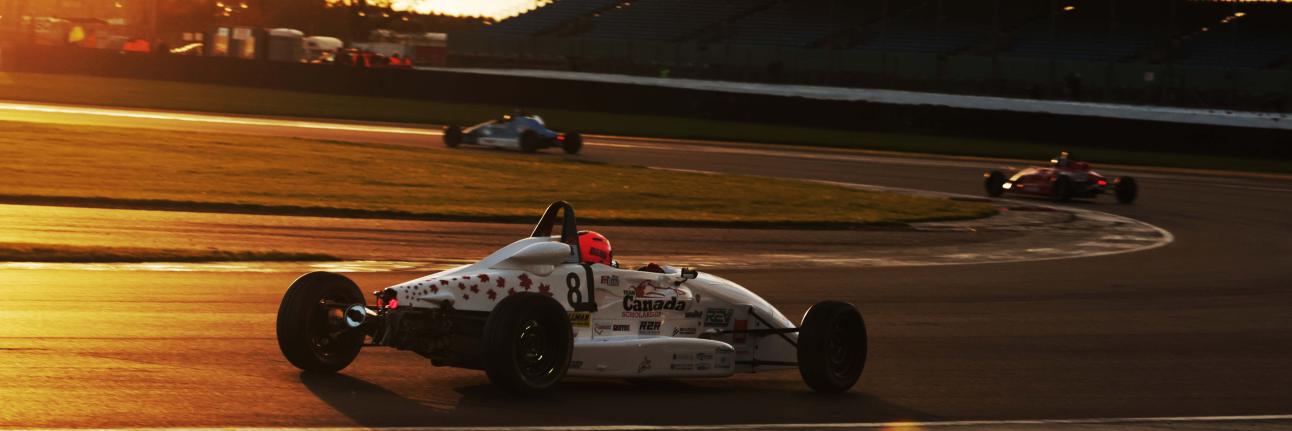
519, 131
535, 311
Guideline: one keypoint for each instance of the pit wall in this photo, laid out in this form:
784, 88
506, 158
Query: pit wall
536, 93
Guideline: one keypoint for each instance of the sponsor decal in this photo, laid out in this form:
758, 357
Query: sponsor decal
683, 356
648, 327
647, 296
680, 331
580, 319
610, 280
717, 317
643, 314
634, 303
574, 365
645, 365
701, 367
739, 336
693, 314
681, 366
610, 328
703, 356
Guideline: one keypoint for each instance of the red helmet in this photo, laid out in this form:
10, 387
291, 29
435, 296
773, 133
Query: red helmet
594, 248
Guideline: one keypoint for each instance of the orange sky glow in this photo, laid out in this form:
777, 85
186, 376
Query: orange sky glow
496, 9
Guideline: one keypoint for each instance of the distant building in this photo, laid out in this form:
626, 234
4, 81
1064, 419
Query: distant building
130, 16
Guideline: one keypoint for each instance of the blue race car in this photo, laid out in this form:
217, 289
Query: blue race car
520, 131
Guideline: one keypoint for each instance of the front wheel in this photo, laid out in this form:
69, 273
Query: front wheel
571, 143
528, 343
452, 136
832, 346
1126, 190
312, 333
994, 182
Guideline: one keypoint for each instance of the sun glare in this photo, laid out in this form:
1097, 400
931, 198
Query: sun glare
495, 9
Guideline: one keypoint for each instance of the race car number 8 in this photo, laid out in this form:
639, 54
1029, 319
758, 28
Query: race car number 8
574, 296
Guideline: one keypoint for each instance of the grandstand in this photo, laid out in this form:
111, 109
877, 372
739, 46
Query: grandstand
552, 16
1011, 44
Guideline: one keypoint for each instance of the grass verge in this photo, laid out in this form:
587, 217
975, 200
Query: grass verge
25, 252
74, 89
109, 166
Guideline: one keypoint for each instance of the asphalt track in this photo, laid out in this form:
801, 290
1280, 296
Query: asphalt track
1201, 327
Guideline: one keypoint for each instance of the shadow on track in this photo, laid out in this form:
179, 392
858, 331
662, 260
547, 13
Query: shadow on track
606, 402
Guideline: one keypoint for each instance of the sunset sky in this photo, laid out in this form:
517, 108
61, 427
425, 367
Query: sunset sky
497, 9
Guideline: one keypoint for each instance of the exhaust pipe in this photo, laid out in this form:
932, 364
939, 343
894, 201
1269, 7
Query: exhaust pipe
355, 315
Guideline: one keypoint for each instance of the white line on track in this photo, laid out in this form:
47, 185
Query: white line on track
212, 119
1132, 227
1084, 424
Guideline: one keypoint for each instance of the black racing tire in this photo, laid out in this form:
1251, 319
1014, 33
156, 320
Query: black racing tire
1062, 189
529, 141
1126, 189
452, 136
309, 333
527, 343
992, 182
832, 347
572, 143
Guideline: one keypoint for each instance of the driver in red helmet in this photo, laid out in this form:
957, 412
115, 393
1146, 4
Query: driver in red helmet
595, 248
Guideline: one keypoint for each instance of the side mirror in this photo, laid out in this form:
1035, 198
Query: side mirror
543, 253
689, 274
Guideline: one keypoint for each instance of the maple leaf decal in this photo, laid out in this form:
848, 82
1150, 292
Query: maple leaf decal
492, 295
545, 289
484, 278
502, 282
435, 289
525, 282
475, 289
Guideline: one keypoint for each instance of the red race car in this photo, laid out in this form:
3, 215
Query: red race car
1064, 179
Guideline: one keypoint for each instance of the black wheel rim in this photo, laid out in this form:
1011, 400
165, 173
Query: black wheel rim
532, 353
841, 353
324, 328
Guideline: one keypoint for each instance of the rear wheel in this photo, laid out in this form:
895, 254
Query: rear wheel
311, 331
572, 143
1062, 188
529, 141
1126, 189
832, 346
452, 136
528, 343
993, 181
